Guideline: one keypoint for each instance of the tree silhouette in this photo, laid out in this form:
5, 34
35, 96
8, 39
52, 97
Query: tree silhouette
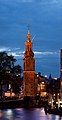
9, 72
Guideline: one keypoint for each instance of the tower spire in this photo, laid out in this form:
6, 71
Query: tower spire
28, 34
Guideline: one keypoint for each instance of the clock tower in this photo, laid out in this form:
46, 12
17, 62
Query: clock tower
29, 69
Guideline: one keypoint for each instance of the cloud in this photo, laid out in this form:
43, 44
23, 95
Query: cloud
4, 49
44, 53
37, 54
16, 52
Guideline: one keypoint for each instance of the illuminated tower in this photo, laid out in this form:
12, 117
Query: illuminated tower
29, 69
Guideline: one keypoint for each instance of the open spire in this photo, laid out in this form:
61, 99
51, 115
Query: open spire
28, 34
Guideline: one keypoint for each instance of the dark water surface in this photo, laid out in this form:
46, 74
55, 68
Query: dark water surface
27, 114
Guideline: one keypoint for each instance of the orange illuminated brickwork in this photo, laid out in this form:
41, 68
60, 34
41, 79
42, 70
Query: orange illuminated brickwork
29, 68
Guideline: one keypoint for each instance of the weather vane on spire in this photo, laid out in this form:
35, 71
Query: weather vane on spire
28, 35
28, 26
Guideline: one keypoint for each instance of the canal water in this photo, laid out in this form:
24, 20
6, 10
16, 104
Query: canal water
27, 114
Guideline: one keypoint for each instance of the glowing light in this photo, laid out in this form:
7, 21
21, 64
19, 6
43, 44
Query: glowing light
43, 94
61, 105
54, 94
45, 76
38, 87
42, 82
61, 83
9, 112
9, 86
55, 78
60, 101
57, 117
37, 75
56, 102
16, 75
42, 112
8, 94
50, 102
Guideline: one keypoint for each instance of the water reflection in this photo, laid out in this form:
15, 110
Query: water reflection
1, 114
27, 114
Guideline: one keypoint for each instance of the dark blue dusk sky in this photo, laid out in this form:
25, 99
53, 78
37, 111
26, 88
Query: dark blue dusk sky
45, 20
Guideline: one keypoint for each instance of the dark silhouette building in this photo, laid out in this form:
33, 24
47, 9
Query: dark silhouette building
61, 63
61, 74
